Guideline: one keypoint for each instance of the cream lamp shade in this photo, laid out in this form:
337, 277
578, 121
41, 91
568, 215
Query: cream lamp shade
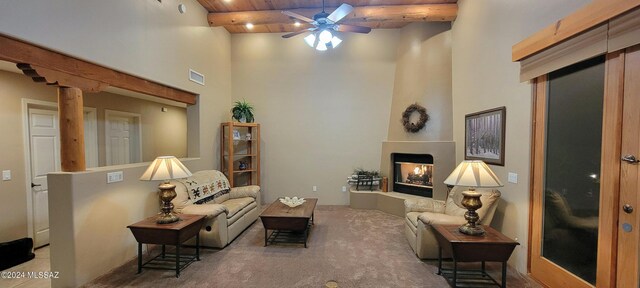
474, 174
165, 168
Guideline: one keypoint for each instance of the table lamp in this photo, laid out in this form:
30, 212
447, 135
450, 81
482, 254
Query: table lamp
472, 174
166, 168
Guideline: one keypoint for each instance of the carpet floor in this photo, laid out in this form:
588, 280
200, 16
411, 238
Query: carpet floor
354, 248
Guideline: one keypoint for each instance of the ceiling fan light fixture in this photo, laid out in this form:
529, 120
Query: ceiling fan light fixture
325, 36
310, 39
321, 46
335, 42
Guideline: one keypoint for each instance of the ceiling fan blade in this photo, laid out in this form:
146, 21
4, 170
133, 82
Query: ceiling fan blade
340, 13
297, 33
297, 16
352, 28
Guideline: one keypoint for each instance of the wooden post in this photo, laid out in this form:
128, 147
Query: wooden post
71, 129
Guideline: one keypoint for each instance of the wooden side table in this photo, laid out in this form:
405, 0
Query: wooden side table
148, 231
493, 246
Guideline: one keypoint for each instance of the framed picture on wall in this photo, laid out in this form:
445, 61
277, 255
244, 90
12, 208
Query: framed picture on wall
484, 136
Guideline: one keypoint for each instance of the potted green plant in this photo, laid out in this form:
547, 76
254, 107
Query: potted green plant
242, 112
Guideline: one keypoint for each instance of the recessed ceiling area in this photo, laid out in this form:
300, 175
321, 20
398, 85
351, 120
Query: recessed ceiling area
265, 16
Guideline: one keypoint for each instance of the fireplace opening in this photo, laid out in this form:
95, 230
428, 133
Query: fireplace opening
413, 174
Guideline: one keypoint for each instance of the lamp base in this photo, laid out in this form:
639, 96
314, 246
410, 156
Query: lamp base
167, 218
475, 230
471, 201
167, 193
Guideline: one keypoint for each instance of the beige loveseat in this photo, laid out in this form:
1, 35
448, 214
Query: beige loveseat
421, 214
227, 215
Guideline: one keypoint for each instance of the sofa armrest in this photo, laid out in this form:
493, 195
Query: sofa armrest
211, 210
429, 218
423, 205
244, 191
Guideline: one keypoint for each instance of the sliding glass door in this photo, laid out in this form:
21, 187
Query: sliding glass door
585, 181
571, 183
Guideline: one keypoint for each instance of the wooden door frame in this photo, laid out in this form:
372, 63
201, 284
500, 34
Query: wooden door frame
628, 241
609, 181
26, 105
137, 132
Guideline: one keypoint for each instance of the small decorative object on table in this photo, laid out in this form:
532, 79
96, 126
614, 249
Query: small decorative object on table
166, 168
236, 135
472, 174
292, 202
248, 136
243, 165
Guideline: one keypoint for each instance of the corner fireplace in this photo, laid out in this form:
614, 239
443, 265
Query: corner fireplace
413, 174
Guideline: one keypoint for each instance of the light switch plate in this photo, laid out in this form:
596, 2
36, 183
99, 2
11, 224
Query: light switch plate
6, 175
115, 177
315, 188
513, 177
344, 188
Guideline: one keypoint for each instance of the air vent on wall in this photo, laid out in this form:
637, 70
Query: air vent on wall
196, 77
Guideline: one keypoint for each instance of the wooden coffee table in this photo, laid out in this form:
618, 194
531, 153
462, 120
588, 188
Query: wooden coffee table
493, 246
289, 225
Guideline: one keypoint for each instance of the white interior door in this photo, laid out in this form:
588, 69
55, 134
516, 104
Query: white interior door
90, 137
119, 140
44, 139
122, 137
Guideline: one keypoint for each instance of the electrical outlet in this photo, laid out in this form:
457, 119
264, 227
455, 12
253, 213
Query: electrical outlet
344, 188
6, 175
512, 177
315, 188
115, 177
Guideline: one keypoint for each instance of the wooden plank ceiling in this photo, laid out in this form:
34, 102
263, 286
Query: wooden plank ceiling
266, 16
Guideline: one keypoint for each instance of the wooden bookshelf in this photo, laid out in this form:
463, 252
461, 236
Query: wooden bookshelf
233, 150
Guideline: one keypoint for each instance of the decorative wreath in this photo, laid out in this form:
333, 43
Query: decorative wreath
406, 115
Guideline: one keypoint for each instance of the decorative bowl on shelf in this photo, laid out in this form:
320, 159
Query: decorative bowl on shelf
292, 202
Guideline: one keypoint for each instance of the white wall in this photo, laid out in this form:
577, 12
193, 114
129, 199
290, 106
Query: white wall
322, 114
144, 38
423, 76
484, 77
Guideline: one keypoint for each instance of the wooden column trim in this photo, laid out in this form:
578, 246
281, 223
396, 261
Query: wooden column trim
70, 114
61, 79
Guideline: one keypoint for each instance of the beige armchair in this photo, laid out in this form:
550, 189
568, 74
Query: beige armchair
421, 214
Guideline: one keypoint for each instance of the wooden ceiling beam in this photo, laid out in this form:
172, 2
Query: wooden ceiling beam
390, 13
57, 69
61, 79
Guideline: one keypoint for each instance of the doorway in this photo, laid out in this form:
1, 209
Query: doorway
43, 156
123, 137
585, 174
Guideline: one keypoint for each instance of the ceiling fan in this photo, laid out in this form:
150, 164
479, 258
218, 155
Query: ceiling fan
325, 27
